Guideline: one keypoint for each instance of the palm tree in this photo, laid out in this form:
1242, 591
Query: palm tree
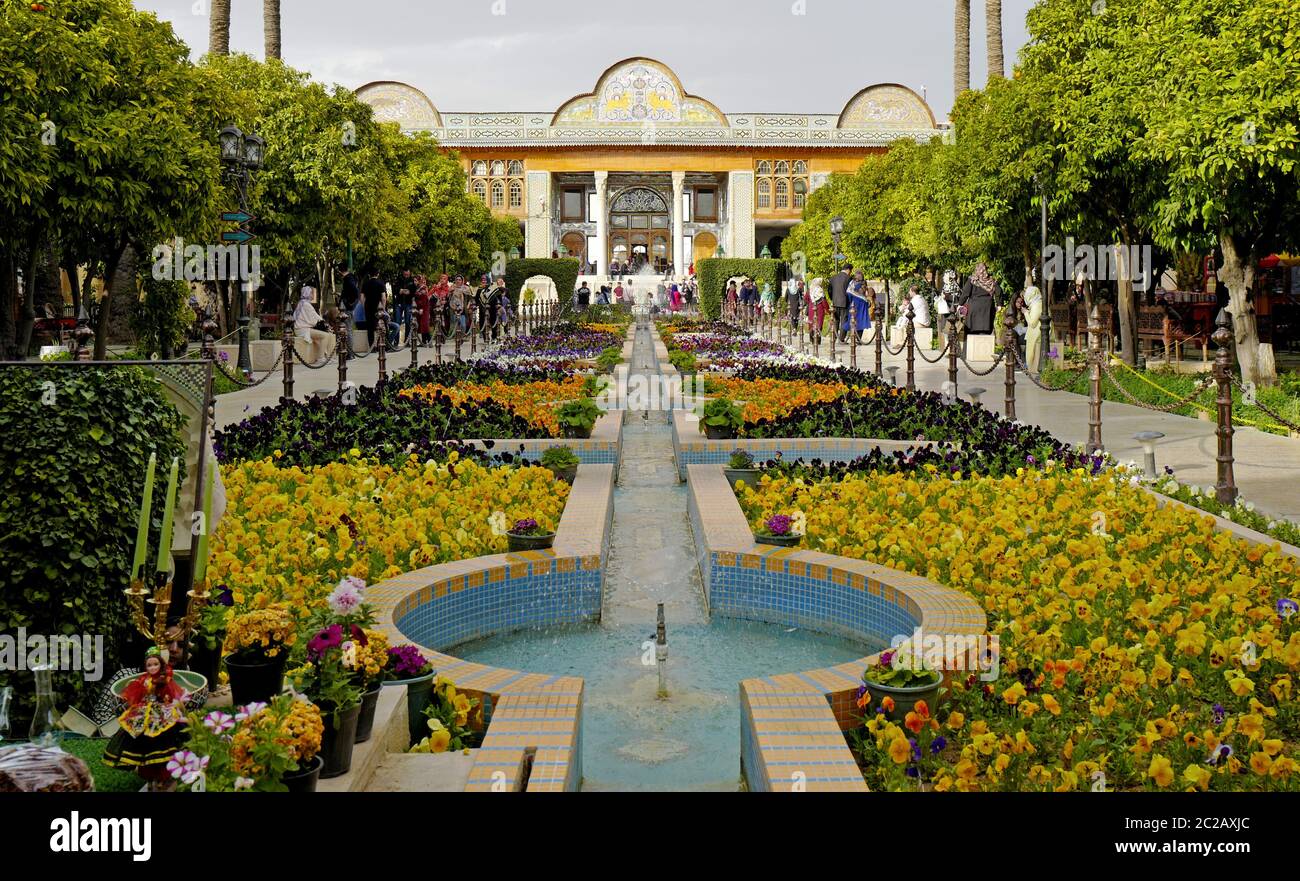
271, 27
993, 32
961, 49
219, 28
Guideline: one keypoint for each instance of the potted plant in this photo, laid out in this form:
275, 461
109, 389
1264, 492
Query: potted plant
260, 748
407, 666
684, 362
562, 462
780, 529
447, 719
609, 359
741, 467
529, 535
328, 678
899, 678
372, 659
256, 648
721, 419
578, 418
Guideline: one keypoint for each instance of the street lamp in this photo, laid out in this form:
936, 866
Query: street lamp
837, 230
241, 155
1046, 322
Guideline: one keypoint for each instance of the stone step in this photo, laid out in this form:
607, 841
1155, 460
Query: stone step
422, 772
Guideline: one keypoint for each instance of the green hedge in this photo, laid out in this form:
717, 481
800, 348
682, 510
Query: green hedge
712, 274
69, 499
562, 271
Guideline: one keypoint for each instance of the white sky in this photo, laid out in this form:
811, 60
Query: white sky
511, 55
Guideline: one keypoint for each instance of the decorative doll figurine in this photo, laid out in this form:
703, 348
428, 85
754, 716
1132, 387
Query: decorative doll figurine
153, 725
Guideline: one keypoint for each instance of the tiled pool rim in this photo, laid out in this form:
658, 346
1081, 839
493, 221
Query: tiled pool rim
792, 724
531, 714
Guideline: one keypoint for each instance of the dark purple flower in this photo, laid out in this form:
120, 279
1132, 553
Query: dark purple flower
779, 524
406, 661
1286, 607
938, 744
1219, 714
326, 639
224, 596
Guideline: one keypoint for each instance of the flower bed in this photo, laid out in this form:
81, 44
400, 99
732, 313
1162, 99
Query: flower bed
381, 423
557, 348
289, 530
534, 401
1140, 648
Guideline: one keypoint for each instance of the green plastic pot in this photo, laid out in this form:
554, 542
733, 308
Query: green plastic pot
905, 699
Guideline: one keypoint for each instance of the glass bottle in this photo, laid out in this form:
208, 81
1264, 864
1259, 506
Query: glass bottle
47, 722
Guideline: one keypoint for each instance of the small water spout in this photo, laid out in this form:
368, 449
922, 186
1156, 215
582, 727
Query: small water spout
661, 652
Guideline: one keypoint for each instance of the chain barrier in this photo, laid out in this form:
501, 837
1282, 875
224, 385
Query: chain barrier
996, 361
937, 358
891, 350
1282, 422
1201, 388
304, 363
1073, 375
245, 384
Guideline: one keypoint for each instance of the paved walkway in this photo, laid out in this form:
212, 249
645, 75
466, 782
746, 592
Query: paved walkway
1267, 466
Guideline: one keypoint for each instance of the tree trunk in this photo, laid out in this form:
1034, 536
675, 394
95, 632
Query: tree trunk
1125, 304
1238, 273
993, 38
961, 49
27, 314
219, 28
8, 294
105, 305
271, 28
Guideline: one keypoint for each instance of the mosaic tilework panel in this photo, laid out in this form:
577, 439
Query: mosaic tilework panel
543, 597
804, 601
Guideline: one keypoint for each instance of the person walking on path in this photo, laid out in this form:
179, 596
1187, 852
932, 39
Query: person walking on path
674, 298
858, 296
423, 300
840, 299
815, 301
794, 301
978, 295
459, 301
372, 291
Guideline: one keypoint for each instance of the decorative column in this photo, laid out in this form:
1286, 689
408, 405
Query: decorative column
740, 207
537, 231
680, 261
602, 223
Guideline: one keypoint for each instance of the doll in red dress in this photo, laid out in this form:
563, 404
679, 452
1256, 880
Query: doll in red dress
153, 725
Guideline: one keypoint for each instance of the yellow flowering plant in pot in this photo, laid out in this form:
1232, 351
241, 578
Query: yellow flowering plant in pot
260, 747
449, 720
256, 648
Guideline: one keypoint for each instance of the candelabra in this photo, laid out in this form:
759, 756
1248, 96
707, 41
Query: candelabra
161, 599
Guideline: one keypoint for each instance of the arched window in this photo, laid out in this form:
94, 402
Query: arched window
479, 169
498, 194
516, 194
479, 189
764, 167
516, 168
765, 193
498, 168
800, 192
782, 167
782, 193
800, 167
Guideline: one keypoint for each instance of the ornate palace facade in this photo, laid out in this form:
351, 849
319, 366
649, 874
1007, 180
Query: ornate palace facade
640, 170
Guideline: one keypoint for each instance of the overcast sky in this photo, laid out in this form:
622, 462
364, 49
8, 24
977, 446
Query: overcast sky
807, 56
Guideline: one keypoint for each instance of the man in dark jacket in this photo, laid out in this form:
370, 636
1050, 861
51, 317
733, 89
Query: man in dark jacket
372, 290
840, 297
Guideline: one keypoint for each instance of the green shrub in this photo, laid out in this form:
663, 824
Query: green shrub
682, 360
564, 272
579, 415
712, 274
68, 504
610, 358
559, 457
160, 317
721, 413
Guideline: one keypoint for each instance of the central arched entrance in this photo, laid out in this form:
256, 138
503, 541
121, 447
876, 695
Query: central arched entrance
640, 228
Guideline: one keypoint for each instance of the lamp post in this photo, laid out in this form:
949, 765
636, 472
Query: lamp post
241, 156
1046, 321
837, 230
